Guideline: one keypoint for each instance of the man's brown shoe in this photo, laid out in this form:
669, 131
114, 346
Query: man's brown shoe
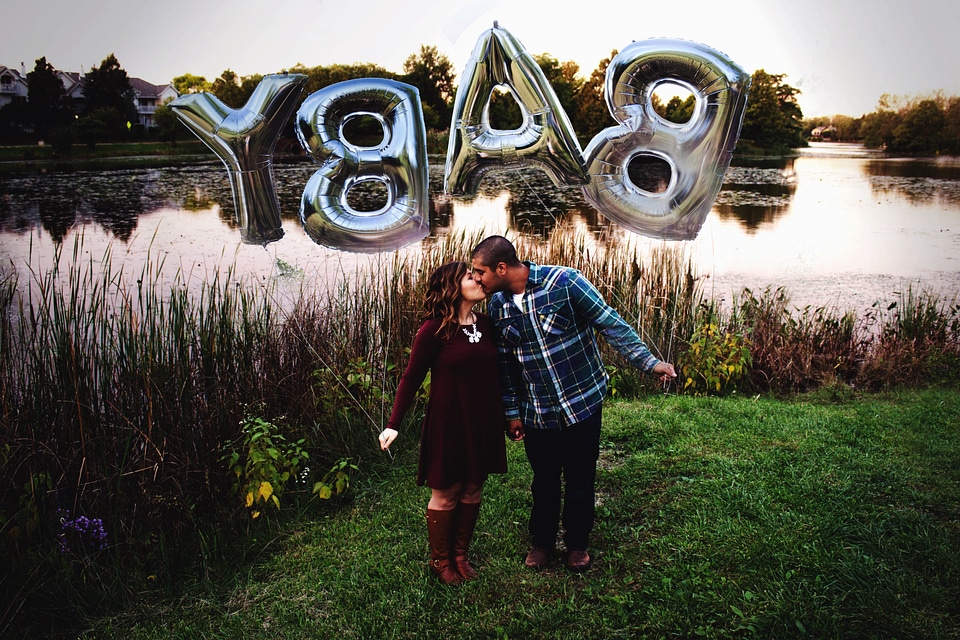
537, 558
578, 561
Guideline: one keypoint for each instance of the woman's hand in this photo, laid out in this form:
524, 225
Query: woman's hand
387, 436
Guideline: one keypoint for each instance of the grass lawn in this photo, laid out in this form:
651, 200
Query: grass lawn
818, 517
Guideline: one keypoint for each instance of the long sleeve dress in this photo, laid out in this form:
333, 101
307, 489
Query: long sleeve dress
462, 438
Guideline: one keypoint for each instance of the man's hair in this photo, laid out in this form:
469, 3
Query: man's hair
495, 249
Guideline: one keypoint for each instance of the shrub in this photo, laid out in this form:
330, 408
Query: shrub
798, 349
714, 361
263, 463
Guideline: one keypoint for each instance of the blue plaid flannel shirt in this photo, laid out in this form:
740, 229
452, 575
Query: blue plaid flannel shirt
550, 366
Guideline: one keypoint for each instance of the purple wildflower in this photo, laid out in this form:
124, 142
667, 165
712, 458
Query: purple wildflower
81, 535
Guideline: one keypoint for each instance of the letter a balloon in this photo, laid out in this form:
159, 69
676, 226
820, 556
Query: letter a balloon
545, 139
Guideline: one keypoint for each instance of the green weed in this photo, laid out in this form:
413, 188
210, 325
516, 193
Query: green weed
264, 462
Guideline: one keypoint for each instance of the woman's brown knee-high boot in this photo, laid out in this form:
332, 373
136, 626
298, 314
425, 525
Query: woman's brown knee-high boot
439, 532
465, 523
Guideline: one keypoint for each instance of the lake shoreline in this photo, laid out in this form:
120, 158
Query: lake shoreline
28, 159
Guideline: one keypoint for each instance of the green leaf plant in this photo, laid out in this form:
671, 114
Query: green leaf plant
715, 361
264, 462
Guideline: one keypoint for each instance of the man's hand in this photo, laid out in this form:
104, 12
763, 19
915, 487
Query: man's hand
515, 430
664, 371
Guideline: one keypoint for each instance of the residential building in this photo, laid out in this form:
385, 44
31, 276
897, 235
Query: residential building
146, 96
13, 86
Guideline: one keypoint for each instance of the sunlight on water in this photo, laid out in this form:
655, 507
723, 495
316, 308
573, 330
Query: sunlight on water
837, 225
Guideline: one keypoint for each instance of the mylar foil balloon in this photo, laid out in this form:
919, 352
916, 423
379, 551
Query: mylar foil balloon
698, 151
244, 139
545, 139
399, 162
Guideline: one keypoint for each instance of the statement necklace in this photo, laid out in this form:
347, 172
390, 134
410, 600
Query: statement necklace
472, 334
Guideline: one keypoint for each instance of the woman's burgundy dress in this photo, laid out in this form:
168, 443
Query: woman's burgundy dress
463, 429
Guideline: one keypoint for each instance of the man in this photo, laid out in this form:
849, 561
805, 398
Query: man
554, 384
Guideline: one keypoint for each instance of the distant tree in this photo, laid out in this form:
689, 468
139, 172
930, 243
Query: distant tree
233, 90
46, 98
100, 125
919, 126
432, 74
504, 111
565, 80
921, 129
227, 89
847, 128
773, 120
679, 110
189, 83
591, 115
167, 123
15, 120
108, 87
951, 127
320, 77
877, 128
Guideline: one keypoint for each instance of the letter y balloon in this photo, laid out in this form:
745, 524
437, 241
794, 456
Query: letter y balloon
244, 139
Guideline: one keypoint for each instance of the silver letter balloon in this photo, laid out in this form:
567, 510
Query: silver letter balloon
244, 139
545, 139
698, 151
399, 162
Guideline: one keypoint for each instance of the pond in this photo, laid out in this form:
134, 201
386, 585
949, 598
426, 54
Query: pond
836, 226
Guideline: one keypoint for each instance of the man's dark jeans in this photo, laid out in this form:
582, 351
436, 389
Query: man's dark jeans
563, 456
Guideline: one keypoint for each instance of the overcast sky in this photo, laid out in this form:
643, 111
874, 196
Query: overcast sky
842, 55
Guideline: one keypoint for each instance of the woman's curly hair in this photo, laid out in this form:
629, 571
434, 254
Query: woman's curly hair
443, 296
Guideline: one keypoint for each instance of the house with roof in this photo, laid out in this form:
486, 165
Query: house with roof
824, 133
72, 85
146, 96
13, 86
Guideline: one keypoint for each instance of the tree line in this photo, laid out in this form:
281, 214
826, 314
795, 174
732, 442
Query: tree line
106, 112
773, 122
927, 125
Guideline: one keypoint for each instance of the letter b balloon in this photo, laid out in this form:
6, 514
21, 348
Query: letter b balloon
698, 151
398, 162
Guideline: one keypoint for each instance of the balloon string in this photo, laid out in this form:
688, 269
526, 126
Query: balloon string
537, 196
289, 317
640, 330
386, 351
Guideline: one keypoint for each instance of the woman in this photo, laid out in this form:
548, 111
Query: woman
462, 437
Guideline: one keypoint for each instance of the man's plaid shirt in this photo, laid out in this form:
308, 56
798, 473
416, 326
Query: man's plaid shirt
551, 371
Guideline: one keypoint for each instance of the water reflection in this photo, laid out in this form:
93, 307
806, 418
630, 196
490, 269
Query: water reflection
836, 213
58, 202
757, 193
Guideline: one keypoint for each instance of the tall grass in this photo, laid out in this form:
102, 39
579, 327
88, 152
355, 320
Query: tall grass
914, 340
120, 392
